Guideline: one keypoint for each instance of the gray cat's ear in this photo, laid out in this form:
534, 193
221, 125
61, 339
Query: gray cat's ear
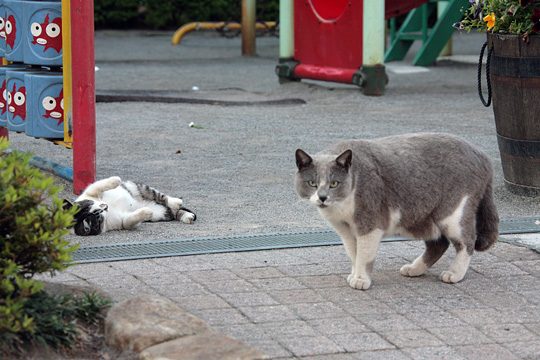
302, 159
345, 159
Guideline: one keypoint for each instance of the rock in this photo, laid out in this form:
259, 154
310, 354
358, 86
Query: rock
140, 322
209, 345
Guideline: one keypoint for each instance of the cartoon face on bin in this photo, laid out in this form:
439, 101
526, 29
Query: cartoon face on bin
3, 100
16, 102
47, 34
11, 31
54, 107
2, 27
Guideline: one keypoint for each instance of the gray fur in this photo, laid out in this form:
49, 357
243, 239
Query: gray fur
422, 177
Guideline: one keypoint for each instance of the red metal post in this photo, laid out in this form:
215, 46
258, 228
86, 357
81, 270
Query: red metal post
84, 107
4, 133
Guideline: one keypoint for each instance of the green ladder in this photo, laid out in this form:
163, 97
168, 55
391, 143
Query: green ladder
415, 27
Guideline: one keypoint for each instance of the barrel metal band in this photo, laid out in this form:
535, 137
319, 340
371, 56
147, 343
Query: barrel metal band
522, 67
519, 148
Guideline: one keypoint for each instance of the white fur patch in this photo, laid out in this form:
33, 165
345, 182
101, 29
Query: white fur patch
342, 211
452, 223
458, 269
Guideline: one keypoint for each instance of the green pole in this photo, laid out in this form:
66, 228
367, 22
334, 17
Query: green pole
372, 75
441, 7
285, 67
286, 31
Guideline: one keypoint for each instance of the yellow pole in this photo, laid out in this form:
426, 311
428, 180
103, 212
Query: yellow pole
66, 72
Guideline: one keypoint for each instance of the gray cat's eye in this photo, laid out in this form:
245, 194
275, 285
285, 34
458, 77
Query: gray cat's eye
334, 184
312, 183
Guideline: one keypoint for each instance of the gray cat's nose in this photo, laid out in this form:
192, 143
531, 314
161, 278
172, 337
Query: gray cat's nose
323, 198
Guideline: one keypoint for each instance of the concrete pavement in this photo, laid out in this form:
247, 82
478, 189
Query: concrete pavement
236, 173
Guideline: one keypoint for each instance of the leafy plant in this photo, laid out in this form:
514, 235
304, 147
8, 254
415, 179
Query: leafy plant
33, 224
520, 17
171, 14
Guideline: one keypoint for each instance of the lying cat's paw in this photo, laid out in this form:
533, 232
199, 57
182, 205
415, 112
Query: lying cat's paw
188, 218
359, 283
145, 214
411, 270
174, 203
450, 277
114, 181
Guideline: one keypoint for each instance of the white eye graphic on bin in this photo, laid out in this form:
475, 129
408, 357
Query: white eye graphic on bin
49, 103
4, 94
2, 30
35, 29
9, 27
52, 30
9, 97
19, 98
62, 103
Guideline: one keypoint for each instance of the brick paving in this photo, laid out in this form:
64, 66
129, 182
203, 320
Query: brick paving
295, 303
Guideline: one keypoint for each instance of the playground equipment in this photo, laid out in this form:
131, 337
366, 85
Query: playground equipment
416, 27
220, 26
343, 40
50, 81
248, 27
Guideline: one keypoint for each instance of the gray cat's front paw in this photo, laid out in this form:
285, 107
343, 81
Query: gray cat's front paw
359, 283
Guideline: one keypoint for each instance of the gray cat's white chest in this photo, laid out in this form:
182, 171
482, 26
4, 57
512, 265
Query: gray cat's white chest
342, 211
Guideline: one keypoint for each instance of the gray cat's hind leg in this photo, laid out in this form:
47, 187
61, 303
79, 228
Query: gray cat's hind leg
461, 231
434, 250
460, 265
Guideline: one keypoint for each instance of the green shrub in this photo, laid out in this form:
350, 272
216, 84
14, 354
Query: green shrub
171, 14
33, 224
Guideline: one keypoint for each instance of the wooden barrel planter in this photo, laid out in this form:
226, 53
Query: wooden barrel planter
515, 81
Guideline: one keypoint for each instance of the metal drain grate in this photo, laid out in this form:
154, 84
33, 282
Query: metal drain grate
208, 245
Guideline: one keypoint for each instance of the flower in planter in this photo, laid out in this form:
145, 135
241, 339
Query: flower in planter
490, 21
520, 17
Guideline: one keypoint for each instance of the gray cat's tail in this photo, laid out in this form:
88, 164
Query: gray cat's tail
487, 222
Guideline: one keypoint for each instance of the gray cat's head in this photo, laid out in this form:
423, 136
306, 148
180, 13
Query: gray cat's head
323, 179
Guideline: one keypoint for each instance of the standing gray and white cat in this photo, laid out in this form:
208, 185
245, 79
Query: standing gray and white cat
428, 186
111, 204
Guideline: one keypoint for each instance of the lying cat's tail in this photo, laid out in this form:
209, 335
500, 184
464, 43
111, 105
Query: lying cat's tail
487, 222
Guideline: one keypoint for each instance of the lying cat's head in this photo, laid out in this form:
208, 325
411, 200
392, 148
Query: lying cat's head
90, 216
323, 179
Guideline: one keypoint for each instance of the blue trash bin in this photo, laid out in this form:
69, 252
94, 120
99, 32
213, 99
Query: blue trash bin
16, 99
2, 29
44, 105
42, 33
3, 92
14, 30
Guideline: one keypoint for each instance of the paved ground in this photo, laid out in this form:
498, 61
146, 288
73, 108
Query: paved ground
236, 173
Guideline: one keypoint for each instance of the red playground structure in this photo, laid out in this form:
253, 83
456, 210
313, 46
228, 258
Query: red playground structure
338, 40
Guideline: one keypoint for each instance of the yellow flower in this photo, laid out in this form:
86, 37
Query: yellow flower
490, 19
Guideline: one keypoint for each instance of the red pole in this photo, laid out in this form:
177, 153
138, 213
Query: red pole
4, 132
83, 100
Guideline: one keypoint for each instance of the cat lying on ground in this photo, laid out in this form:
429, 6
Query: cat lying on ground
111, 204
434, 187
